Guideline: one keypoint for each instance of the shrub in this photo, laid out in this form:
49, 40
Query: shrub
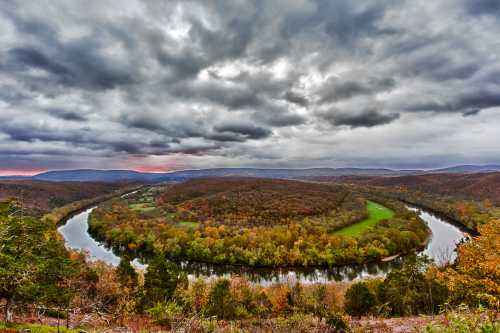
359, 300
220, 300
407, 291
466, 321
160, 281
338, 322
165, 313
127, 275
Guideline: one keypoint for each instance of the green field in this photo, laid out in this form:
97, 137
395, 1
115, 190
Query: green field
376, 213
188, 224
142, 207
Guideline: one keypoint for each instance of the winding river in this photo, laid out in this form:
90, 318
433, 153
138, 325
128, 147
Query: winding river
441, 248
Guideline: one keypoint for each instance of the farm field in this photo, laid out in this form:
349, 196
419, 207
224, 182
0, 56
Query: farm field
376, 213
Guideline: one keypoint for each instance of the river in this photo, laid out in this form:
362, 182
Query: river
441, 248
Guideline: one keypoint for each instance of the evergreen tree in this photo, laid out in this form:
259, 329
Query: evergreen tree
160, 281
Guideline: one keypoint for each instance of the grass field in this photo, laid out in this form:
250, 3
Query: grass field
188, 224
142, 207
376, 213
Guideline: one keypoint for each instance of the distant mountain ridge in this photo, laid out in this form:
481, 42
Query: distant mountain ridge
467, 169
130, 175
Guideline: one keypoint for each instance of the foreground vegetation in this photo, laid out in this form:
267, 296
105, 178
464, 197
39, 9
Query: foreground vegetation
53, 282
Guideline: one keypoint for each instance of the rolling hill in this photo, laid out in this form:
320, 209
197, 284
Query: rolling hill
129, 175
475, 186
40, 197
253, 201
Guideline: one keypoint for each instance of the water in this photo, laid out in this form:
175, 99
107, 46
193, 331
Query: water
441, 248
444, 238
76, 236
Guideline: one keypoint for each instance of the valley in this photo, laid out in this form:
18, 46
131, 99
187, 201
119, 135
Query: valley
257, 222
441, 247
282, 249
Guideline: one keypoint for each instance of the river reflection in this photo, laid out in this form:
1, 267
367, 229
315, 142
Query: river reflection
441, 248
268, 276
444, 239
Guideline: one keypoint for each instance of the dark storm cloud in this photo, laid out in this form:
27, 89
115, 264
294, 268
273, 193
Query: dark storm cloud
247, 131
79, 66
439, 67
29, 133
480, 99
295, 98
338, 88
345, 22
78, 63
469, 102
365, 118
24, 58
470, 113
278, 117
234, 97
150, 122
232, 81
481, 7
66, 114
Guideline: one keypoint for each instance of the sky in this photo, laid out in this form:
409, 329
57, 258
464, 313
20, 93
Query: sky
165, 85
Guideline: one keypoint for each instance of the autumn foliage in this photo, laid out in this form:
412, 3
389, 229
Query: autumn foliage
256, 222
475, 279
252, 201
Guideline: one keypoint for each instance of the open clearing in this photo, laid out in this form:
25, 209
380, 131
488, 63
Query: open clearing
376, 213
188, 224
142, 207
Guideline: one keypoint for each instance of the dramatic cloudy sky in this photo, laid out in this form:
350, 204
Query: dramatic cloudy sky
159, 85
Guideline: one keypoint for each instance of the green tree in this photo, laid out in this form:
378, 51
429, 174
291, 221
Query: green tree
127, 275
160, 281
359, 300
220, 300
34, 264
407, 291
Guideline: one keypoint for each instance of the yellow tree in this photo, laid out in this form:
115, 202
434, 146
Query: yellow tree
476, 277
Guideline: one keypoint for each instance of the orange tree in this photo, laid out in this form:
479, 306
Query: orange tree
475, 279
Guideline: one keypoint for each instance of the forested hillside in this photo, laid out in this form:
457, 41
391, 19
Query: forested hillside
252, 201
479, 186
40, 197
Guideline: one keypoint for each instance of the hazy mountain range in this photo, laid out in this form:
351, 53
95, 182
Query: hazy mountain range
128, 175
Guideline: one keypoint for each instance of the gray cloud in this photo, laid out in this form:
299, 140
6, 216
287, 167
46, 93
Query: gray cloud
66, 114
339, 88
295, 98
220, 83
244, 130
480, 7
364, 118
